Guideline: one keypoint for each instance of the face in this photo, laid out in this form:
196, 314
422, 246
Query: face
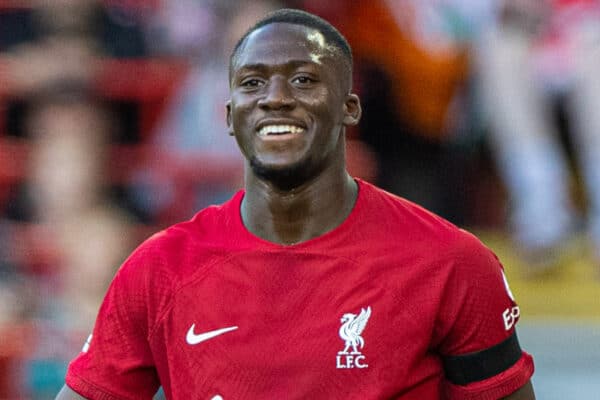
289, 103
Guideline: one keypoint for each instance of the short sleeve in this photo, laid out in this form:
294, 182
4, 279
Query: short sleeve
476, 322
117, 362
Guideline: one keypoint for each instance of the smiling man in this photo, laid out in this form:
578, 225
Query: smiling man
307, 284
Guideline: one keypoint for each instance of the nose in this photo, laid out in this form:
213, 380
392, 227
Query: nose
277, 95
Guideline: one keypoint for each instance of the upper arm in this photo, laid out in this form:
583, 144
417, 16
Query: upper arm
117, 360
476, 325
66, 393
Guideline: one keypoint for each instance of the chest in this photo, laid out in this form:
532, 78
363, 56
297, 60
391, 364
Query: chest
308, 326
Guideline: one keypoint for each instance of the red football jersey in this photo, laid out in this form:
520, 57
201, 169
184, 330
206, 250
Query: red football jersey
365, 311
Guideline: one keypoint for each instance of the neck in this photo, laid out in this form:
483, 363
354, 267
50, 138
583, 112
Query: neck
304, 212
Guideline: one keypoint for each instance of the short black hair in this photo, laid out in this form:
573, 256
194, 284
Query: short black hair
303, 18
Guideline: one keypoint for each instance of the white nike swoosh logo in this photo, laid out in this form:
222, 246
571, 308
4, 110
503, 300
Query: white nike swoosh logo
192, 338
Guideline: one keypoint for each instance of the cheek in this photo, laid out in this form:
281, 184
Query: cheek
241, 125
327, 106
329, 121
240, 114
319, 98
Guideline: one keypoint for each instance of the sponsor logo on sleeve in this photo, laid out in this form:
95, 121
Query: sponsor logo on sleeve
510, 316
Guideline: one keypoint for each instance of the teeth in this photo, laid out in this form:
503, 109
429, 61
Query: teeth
276, 129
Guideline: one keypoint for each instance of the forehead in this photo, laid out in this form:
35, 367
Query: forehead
280, 43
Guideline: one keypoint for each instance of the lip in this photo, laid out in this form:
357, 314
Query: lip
278, 121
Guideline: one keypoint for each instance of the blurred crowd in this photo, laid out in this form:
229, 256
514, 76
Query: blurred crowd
112, 125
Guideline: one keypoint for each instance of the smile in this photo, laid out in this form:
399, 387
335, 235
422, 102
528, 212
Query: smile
268, 130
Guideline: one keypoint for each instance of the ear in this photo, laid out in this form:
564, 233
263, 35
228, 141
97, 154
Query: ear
229, 122
352, 110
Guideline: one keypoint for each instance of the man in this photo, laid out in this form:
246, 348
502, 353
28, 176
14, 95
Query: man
309, 284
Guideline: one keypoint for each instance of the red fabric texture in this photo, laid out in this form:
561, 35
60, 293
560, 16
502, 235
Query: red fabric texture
432, 289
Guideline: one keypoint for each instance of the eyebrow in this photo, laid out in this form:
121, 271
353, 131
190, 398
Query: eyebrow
264, 67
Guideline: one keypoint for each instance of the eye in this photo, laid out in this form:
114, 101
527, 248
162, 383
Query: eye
251, 83
303, 80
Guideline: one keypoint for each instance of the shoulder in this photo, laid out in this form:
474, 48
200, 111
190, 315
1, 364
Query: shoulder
203, 236
169, 258
393, 214
383, 203
410, 230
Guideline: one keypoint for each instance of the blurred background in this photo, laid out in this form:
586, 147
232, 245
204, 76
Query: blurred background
112, 126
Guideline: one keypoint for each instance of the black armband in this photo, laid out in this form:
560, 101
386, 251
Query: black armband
473, 367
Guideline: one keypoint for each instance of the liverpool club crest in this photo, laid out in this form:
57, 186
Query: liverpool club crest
350, 332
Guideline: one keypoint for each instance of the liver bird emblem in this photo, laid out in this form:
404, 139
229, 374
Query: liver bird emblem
351, 329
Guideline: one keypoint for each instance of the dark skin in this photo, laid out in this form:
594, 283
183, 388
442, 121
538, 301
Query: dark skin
297, 187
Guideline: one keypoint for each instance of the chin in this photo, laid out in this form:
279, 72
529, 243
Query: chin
285, 177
